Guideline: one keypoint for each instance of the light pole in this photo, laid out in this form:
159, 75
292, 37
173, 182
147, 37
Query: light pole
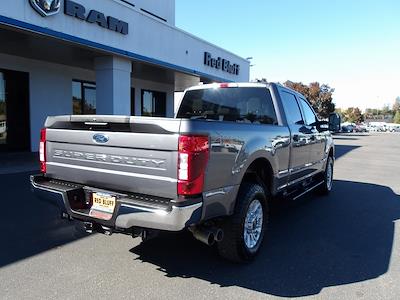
249, 60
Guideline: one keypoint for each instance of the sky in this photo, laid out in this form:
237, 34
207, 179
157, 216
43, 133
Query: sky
351, 45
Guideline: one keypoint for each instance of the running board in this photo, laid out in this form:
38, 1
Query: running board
308, 190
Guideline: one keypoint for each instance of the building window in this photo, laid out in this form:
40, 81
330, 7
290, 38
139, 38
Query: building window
154, 104
132, 101
83, 98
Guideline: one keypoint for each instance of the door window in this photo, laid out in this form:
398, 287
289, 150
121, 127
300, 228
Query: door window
14, 111
83, 98
154, 104
309, 114
292, 109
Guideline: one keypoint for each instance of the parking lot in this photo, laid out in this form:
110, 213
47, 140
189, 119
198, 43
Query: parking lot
345, 246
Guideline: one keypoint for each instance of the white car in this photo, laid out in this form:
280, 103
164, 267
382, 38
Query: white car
395, 129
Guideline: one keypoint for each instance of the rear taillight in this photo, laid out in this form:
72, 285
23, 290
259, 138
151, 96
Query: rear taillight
192, 163
42, 151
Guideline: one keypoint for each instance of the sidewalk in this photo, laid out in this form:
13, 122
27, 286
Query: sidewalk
11, 163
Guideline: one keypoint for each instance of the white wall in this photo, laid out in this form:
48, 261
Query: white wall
177, 100
162, 8
50, 89
147, 36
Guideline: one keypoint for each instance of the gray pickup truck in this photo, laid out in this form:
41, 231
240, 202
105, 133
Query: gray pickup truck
213, 169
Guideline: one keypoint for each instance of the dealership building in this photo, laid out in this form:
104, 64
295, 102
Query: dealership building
121, 57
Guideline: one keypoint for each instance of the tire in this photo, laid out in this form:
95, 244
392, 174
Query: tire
326, 186
238, 245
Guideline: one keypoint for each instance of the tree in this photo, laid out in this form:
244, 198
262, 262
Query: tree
386, 110
396, 105
397, 117
320, 96
353, 115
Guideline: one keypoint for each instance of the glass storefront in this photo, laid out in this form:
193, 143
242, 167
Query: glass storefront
3, 110
14, 111
154, 104
83, 98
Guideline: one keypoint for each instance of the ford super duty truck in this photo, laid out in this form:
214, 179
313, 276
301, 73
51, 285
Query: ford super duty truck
213, 169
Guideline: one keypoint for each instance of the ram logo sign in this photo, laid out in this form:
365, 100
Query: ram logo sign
76, 10
46, 7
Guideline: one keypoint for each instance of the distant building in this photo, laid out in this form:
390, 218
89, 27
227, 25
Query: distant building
379, 118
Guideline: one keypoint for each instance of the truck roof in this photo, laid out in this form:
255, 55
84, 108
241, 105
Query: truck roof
241, 84
230, 84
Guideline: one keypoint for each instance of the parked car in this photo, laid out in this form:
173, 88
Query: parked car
360, 128
371, 129
348, 128
138, 175
395, 128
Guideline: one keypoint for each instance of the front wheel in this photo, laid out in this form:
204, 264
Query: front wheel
244, 231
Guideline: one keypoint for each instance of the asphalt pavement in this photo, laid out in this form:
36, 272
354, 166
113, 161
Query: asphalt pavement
344, 246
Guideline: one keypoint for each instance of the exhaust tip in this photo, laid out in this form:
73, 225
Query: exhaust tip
219, 235
207, 235
211, 239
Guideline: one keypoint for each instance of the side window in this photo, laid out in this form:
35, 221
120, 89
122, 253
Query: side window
256, 107
292, 109
309, 114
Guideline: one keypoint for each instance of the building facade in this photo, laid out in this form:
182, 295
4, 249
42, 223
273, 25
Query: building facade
123, 57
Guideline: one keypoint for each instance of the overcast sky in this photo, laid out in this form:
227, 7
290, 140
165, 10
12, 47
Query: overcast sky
352, 45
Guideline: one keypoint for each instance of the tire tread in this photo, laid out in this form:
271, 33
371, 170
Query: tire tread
231, 247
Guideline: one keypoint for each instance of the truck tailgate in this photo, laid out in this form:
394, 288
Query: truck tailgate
128, 154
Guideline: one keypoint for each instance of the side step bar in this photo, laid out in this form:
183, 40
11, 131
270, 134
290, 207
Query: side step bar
308, 190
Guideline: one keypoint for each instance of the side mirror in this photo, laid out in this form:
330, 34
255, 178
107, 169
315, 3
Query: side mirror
335, 122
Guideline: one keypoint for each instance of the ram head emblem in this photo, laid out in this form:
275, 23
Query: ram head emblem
46, 7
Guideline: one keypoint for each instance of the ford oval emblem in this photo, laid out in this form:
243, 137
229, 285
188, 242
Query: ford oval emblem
100, 138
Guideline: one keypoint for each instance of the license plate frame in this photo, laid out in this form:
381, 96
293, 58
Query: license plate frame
103, 204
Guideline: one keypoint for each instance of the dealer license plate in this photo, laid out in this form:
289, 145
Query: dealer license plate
103, 202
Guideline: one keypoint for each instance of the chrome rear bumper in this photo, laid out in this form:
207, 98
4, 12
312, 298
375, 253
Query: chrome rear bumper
126, 214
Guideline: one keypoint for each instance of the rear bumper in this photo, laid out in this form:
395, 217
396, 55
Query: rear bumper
126, 215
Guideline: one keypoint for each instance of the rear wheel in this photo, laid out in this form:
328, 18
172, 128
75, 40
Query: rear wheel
244, 231
326, 186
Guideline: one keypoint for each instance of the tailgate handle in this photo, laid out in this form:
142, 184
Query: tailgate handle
96, 124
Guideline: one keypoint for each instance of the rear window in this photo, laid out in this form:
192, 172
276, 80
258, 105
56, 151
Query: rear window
245, 105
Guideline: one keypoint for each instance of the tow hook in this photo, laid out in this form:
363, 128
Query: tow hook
145, 234
88, 227
66, 216
106, 230
207, 235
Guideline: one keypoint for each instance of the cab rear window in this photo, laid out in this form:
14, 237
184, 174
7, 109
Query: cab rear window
245, 105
